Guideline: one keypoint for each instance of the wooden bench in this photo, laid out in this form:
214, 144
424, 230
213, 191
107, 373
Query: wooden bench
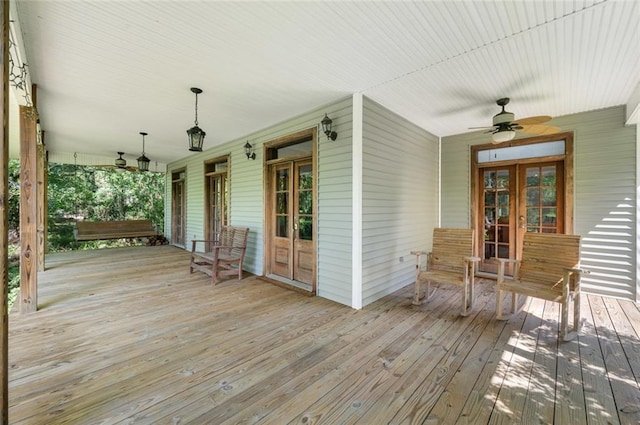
550, 270
450, 261
222, 256
97, 230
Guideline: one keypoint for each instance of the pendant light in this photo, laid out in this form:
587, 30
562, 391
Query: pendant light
195, 133
143, 161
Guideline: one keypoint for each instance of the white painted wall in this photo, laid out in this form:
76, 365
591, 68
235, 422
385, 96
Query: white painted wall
399, 199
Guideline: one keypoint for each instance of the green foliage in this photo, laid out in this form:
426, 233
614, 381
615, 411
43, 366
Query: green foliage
98, 194
14, 284
14, 194
84, 193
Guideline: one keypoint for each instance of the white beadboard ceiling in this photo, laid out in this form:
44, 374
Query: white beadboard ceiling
106, 70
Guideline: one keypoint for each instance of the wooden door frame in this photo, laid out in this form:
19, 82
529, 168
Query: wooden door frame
184, 205
289, 139
568, 159
207, 198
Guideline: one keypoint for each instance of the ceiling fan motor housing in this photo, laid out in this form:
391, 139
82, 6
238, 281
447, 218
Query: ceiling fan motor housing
120, 161
503, 118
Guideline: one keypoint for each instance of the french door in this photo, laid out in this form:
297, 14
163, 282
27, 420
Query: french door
515, 199
291, 246
178, 209
217, 199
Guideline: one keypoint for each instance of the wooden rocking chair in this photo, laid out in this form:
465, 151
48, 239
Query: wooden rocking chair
222, 256
450, 261
550, 270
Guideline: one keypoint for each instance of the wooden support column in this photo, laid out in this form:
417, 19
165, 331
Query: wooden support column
4, 217
28, 210
41, 201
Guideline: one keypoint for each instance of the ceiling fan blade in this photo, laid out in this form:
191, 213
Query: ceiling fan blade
480, 128
111, 166
540, 129
533, 120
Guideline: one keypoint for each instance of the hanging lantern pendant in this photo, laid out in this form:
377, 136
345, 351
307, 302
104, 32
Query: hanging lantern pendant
195, 133
143, 161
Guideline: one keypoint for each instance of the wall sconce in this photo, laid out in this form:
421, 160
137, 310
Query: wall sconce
143, 161
326, 128
195, 133
248, 150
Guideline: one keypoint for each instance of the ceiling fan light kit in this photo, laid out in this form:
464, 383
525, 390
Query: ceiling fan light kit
504, 127
503, 136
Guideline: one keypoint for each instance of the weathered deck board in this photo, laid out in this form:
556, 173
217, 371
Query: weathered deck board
129, 336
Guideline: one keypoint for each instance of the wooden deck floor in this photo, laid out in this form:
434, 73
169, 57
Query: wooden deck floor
128, 336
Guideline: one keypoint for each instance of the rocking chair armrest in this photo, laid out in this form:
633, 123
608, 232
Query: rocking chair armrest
577, 270
505, 260
472, 259
419, 253
195, 241
228, 246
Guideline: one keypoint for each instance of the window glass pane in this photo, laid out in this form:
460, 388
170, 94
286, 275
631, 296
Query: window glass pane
533, 196
489, 179
534, 150
533, 216
282, 226
282, 180
549, 196
304, 147
282, 203
306, 228
503, 179
503, 199
489, 198
549, 217
305, 180
533, 177
549, 176
305, 203
489, 251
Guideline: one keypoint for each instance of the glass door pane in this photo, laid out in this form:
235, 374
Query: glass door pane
542, 198
281, 215
497, 204
305, 202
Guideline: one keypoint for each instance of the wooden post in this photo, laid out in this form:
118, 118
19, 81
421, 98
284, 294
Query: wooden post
28, 211
41, 191
4, 217
41, 202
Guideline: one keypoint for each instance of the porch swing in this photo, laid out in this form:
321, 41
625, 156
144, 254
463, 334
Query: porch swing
113, 229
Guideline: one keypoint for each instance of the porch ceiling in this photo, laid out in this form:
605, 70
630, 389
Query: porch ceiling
107, 70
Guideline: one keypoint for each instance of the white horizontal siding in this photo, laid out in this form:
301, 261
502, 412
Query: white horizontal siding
605, 199
605, 194
247, 198
335, 203
400, 199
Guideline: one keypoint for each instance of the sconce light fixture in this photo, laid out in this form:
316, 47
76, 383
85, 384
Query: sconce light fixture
248, 150
326, 128
143, 161
195, 133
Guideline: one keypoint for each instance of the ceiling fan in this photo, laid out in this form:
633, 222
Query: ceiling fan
120, 164
504, 127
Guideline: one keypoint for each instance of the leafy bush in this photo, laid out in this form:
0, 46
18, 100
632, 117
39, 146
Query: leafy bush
84, 193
